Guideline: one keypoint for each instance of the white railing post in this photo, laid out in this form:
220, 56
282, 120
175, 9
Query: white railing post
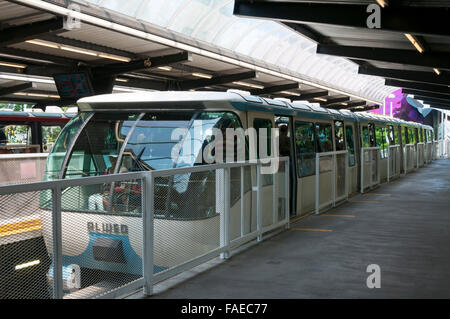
405, 160
362, 170
242, 200
333, 176
58, 292
388, 162
225, 215
259, 202
317, 182
148, 206
286, 191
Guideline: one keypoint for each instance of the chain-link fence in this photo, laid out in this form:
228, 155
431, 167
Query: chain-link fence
22, 168
101, 237
331, 179
394, 162
370, 167
409, 157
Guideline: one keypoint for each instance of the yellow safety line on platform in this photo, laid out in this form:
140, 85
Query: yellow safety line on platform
312, 229
20, 227
338, 215
299, 218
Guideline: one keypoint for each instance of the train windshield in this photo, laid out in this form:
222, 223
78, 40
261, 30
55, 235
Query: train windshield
113, 142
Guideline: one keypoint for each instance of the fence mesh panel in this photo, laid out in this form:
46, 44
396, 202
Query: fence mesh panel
24, 256
187, 217
101, 237
21, 169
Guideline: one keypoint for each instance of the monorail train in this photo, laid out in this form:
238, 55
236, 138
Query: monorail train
102, 225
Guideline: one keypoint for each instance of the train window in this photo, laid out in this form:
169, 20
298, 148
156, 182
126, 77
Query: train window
391, 135
62, 144
365, 136
97, 146
15, 135
282, 124
421, 135
305, 148
49, 135
372, 135
350, 145
263, 124
380, 139
411, 136
405, 139
339, 135
396, 138
324, 134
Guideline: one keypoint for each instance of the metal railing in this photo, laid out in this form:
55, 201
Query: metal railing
429, 149
334, 164
420, 154
410, 158
163, 242
393, 162
443, 148
370, 167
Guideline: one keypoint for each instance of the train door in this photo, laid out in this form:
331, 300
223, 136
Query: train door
287, 148
352, 167
263, 123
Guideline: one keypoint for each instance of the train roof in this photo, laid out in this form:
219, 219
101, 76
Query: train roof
19, 116
233, 100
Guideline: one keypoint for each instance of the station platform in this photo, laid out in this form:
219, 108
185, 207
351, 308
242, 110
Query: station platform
402, 226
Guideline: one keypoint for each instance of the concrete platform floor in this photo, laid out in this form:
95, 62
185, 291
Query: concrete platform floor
403, 226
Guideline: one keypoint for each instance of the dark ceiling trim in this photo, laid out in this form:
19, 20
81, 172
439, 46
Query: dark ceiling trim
430, 100
415, 76
275, 88
142, 64
307, 95
406, 57
217, 80
17, 54
335, 100
418, 86
428, 94
30, 31
16, 88
417, 20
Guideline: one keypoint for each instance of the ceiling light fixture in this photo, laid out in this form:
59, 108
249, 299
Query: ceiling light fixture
37, 95
26, 78
202, 75
121, 80
320, 99
437, 71
165, 68
413, 40
250, 85
78, 50
13, 65
290, 93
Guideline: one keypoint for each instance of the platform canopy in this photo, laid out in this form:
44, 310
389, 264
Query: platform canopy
407, 42
168, 45
265, 41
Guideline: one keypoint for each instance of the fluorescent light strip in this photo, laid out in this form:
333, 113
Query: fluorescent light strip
28, 264
250, 85
320, 99
165, 68
121, 80
13, 65
290, 93
414, 42
37, 95
202, 75
26, 78
78, 50
42, 5
437, 71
